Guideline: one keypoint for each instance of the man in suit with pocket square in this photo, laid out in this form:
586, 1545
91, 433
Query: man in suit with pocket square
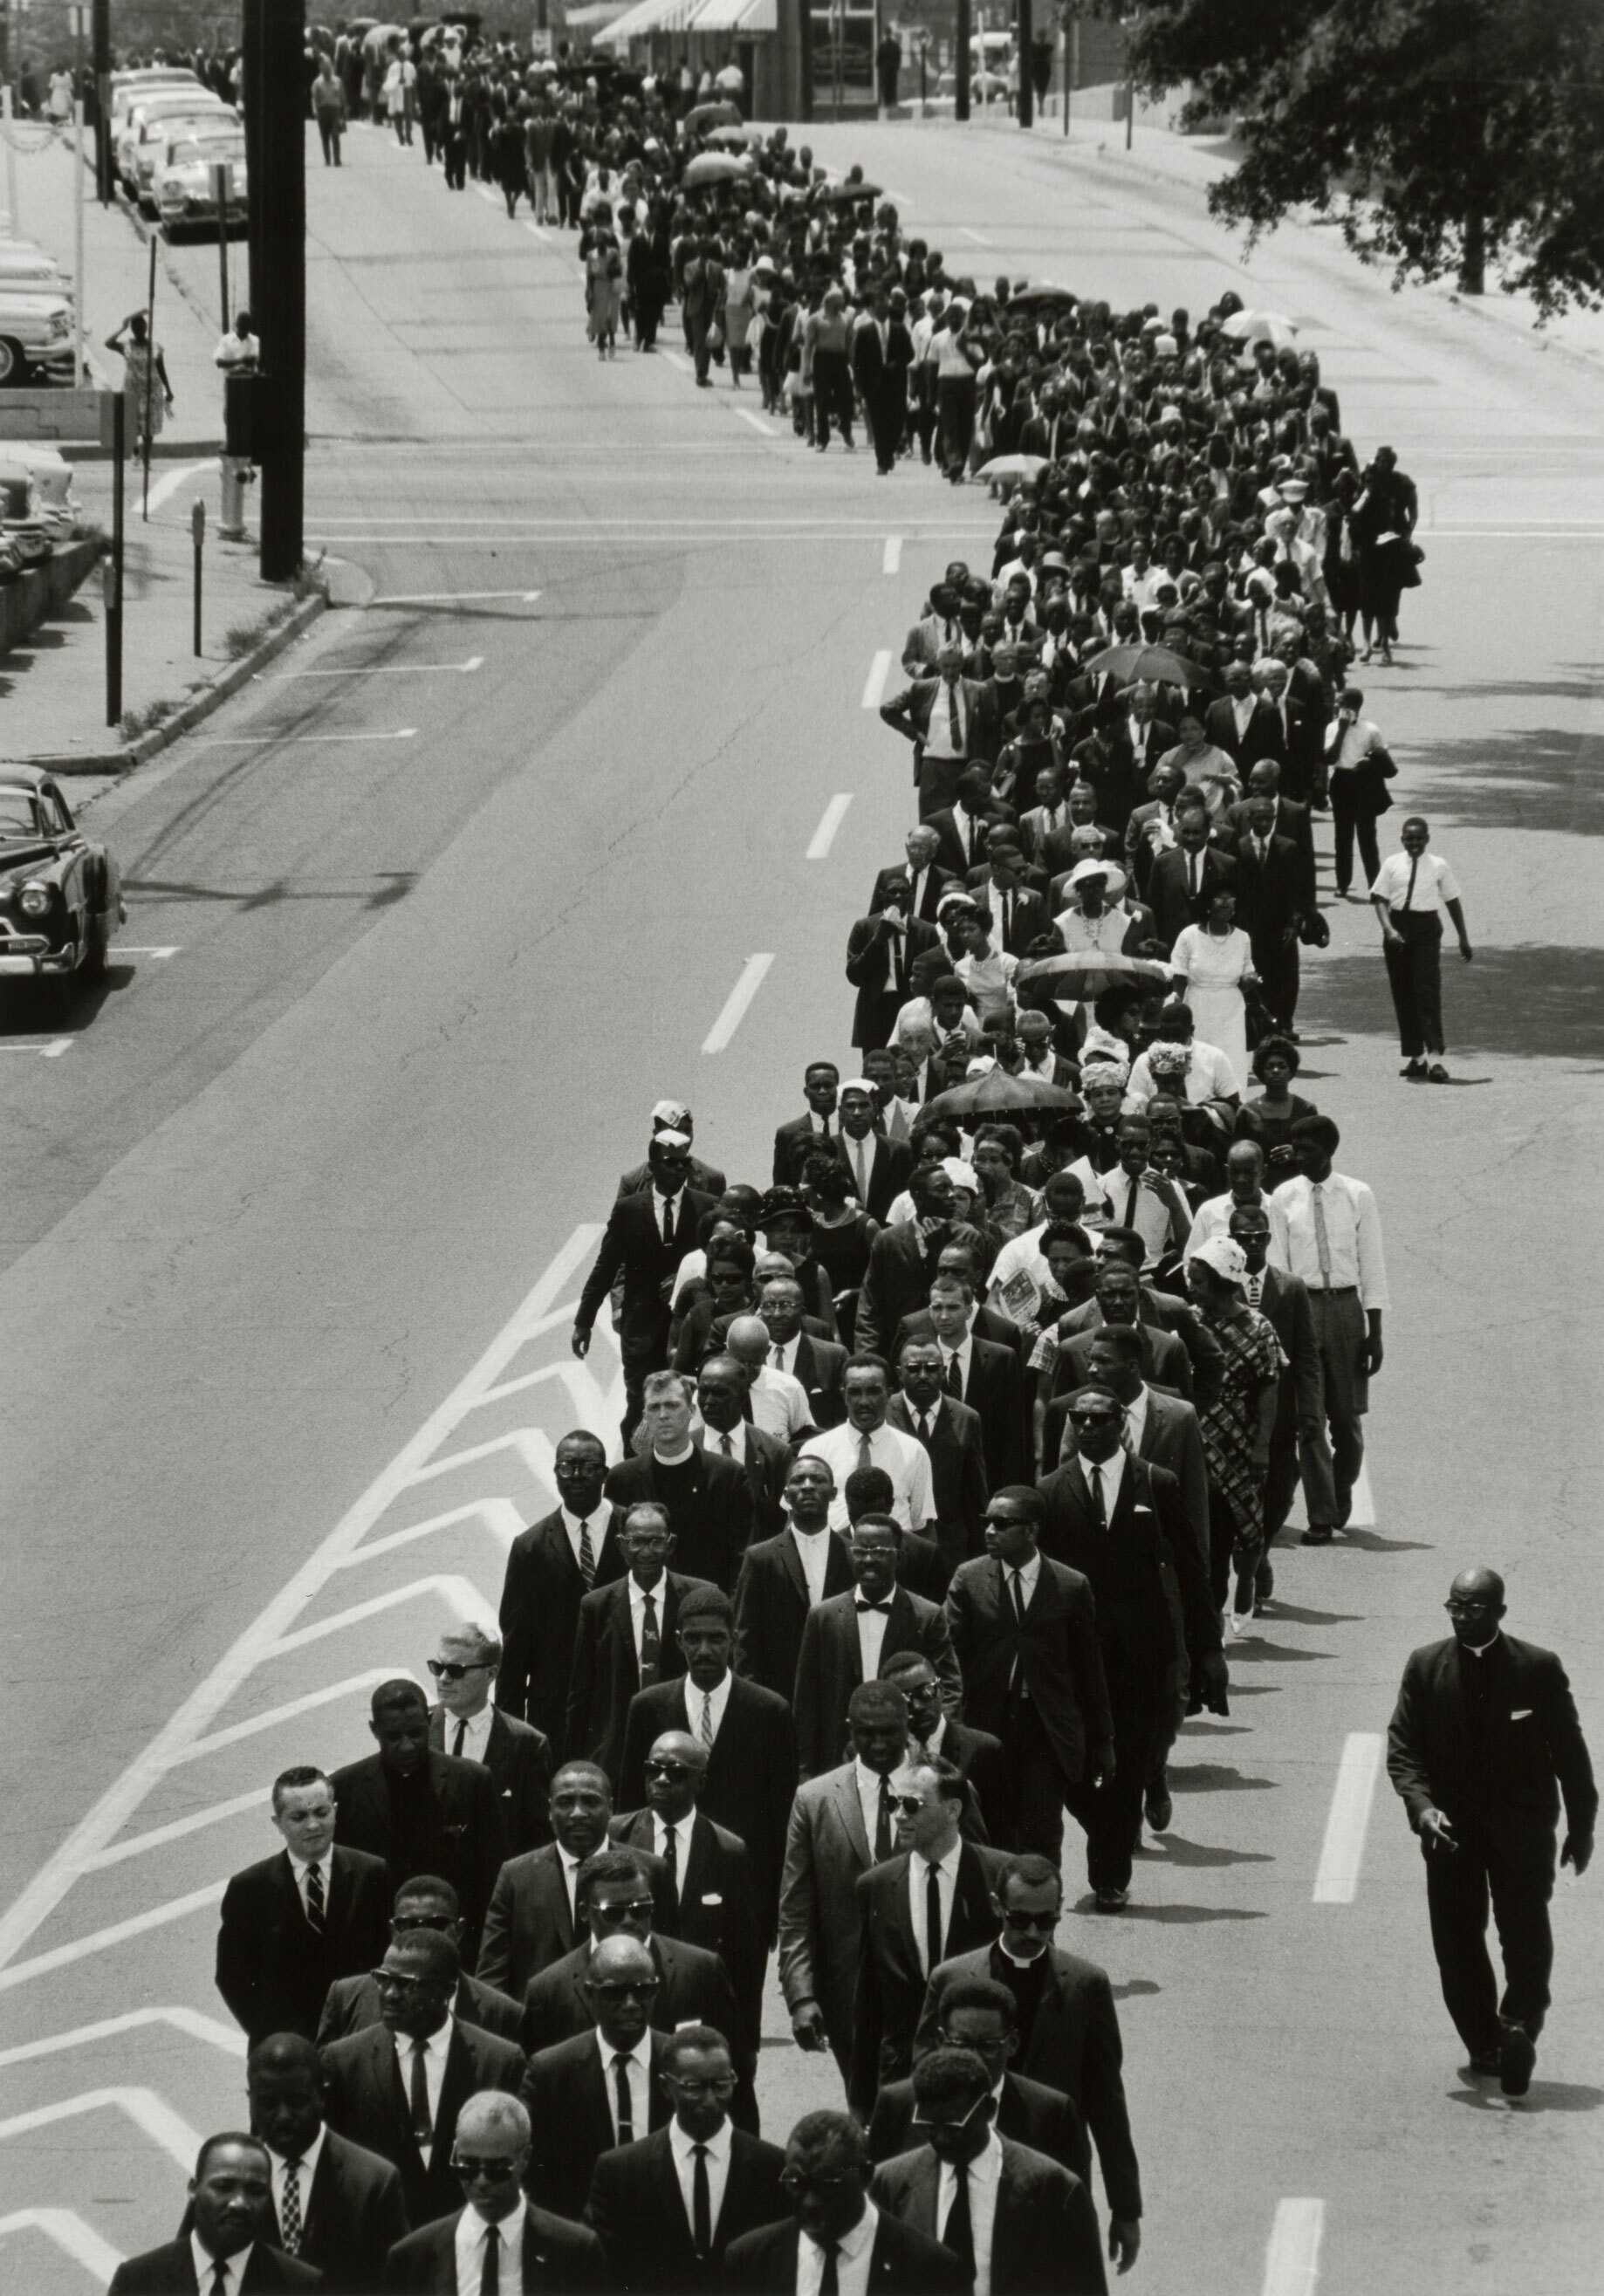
1483, 1742
501, 2231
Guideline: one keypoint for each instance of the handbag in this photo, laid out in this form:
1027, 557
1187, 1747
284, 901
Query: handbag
715, 336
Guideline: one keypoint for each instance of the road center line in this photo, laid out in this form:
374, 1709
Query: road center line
123, 948
452, 598
676, 359
1292, 2260
892, 558
874, 685
1336, 1880
735, 1003
763, 429
264, 741
823, 836
48, 1048
383, 669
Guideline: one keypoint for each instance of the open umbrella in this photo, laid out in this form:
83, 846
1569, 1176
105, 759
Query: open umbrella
845, 195
996, 1091
1086, 972
713, 168
1151, 665
737, 138
1249, 327
703, 116
1013, 466
1041, 295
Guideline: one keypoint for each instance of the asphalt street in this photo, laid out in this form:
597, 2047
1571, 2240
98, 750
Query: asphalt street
296, 1214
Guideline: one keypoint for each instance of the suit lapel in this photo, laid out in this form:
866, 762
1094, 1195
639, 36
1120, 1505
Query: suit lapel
927, 2193
848, 1809
900, 1631
971, 1904
671, 2201
792, 1564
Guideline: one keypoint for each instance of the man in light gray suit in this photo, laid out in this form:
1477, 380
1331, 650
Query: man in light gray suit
841, 1823
1025, 2225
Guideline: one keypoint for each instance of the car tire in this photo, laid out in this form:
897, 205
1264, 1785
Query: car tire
14, 363
97, 951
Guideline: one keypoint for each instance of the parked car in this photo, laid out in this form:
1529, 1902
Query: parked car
150, 145
23, 265
145, 117
55, 499
35, 335
182, 189
61, 893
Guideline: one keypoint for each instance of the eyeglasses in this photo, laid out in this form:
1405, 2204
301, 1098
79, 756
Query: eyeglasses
399, 1980
625, 1989
923, 2120
1096, 1418
640, 1909
1046, 1923
724, 2086
403, 1924
485, 2172
797, 2182
661, 1769
451, 1670
1470, 1605
906, 1805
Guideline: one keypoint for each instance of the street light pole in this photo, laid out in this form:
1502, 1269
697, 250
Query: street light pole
1027, 44
274, 37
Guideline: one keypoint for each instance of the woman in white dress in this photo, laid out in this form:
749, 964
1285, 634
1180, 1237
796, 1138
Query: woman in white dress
1215, 960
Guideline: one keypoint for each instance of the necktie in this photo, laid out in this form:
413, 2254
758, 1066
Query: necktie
924, 1428
1132, 1201
315, 1897
959, 2234
860, 1159
626, 2110
701, 2203
882, 1822
1322, 1241
865, 1453
954, 731
289, 2215
1191, 873
668, 1219
456, 1743
422, 2123
649, 1642
954, 1376
830, 2279
671, 1855
1414, 864
932, 1917
587, 1556
1019, 1598
1099, 1513
220, 2279
727, 1444
779, 1356
974, 838
706, 1726
490, 2276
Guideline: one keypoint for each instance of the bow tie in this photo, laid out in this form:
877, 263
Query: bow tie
884, 1608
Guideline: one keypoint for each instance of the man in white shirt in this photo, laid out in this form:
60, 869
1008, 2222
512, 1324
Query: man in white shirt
865, 1440
463, 1669
1019, 1270
779, 1399
1245, 1175
1334, 1245
1409, 892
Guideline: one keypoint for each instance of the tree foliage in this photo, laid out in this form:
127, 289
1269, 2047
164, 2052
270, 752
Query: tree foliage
1445, 135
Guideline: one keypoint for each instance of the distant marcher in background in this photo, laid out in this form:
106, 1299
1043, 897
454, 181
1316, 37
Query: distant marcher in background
329, 110
146, 385
1408, 893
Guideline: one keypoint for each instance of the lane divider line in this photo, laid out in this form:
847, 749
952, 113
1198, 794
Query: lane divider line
1337, 1878
676, 359
892, 560
1361, 1515
874, 685
823, 836
736, 1002
382, 669
763, 429
1292, 2259
266, 740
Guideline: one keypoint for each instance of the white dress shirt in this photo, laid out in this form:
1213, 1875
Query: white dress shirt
234, 2268
470, 2234
475, 1729
868, 1783
669, 1205
716, 1438
1209, 1076
301, 1867
718, 1699
306, 2169
568, 1866
782, 1354
637, 1608
1435, 884
947, 704
812, 1551
904, 1458
984, 2177
1353, 1236
1214, 1219
1111, 1474
434, 2070
680, 1827
946, 1883
780, 1405
855, 2253
637, 2073
573, 1524
1018, 1274
684, 2149
965, 1353
871, 1626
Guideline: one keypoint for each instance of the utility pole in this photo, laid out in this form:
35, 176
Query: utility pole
101, 40
961, 61
1027, 65
275, 36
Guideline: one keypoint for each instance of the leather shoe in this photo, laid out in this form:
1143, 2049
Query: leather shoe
1436, 1073
1414, 1073
1484, 2061
1111, 1901
1157, 1807
1517, 2055
1318, 1534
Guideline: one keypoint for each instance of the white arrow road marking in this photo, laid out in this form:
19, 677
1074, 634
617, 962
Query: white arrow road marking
874, 685
48, 1048
71, 2234
142, 2106
192, 2022
891, 558
1336, 1880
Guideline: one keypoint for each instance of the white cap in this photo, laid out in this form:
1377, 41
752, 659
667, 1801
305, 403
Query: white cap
1226, 1257
670, 1112
961, 1175
672, 1140
857, 1084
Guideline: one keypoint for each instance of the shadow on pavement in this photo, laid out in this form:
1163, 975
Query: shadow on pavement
1542, 2097
1181, 1852
1134, 1989
1217, 1778
1254, 1647
1529, 1003
1316, 1618
1371, 1542
1182, 1915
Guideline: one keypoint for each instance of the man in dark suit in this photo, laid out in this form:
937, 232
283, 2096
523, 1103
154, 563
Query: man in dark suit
1283, 1302
1039, 2235
926, 880
1242, 723
846, 1639
230, 2198
878, 1168
965, 825
491, 2160
1290, 820
551, 1568
751, 1767
982, 1374
423, 1812
294, 1924
626, 1638
600, 2087
882, 952
397, 2087
668, 2206
781, 1577
933, 1735
819, 1362
1152, 824
1015, 894
466, 1726
931, 1899
1269, 904
426, 1902
1182, 881
711, 1872
673, 1116
951, 1432
882, 352
331, 2203
902, 1261
647, 1236
1483, 1741
1025, 1634
1121, 1302
762, 1459
1068, 2029
794, 1139
978, 2013
707, 1497
947, 719
826, 2182
1118, 1523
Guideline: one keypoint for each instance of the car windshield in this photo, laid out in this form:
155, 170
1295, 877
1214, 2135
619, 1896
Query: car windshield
17, 817
214, 149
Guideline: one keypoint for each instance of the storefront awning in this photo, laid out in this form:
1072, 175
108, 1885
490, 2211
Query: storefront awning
748, 16
595, 14
648, 16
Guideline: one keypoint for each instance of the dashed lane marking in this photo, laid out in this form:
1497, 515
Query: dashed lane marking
736, 1002
383, 669
891, 558
67, 2231
676, 359
1342, 1852
168, 485
763, 429
1292, 2259
48, 1048
874, 685
123, 948
823, 836
266, 741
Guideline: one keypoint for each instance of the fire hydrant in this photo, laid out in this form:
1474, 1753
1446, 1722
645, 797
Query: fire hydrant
237, 475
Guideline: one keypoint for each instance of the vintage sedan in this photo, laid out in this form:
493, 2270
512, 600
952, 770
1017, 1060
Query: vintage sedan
61, 893
183, 189
36, 335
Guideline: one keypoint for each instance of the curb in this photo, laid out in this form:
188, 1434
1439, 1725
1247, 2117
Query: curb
218, 689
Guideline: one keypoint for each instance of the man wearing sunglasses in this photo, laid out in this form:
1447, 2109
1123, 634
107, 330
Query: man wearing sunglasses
499, 2233
426, 1902
601, 2086
838, 2240
1023, 2226
846, 1639
933, 1898
397, 2087
727, 2182
465, 1723
627, 1638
